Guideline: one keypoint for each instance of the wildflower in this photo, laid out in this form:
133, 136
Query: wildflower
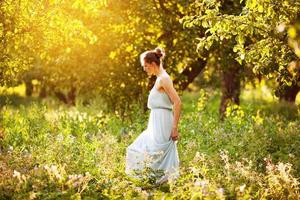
242, 188
32, 195
220, 191
202, 183
10, 149
16, 174
60, 137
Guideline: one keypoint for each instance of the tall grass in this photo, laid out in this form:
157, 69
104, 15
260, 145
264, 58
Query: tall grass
49, 151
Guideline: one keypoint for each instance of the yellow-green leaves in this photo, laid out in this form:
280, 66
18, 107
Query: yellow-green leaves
129, 48
112, 55
294, 37
260, 8
258, 118
240, 39
292, 32
254, 32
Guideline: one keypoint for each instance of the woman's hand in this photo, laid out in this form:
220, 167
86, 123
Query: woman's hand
174, 134
167, 84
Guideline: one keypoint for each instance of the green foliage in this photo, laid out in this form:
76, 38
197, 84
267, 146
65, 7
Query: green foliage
254, 31
52, 152
243, 181
92, 47
294, 35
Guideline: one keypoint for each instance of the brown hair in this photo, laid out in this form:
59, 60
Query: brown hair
156, 55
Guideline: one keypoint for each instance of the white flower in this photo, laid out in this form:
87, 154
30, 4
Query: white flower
201, 183
16, 173
242, 188
60, 137
10, 149
220, 191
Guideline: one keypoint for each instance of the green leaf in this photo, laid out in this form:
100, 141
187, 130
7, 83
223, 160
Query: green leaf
292, 32
260, 9
112, 55
239, 60
204, 24
240, 39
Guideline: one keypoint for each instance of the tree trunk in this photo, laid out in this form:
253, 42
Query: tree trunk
61, 96
43, 92
72, 96
230, 87
289, 94
29, 88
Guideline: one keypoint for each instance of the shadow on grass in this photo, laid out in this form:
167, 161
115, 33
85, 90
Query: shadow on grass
16, 100
285, 110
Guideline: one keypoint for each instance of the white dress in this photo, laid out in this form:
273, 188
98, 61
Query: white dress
154, 147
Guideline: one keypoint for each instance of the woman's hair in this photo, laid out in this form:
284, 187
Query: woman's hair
157, 55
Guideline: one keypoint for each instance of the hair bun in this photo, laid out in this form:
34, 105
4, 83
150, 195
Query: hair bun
159, 52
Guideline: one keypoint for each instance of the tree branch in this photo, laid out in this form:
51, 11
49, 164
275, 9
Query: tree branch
189, 74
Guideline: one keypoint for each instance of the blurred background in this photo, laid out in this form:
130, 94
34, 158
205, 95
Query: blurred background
73, 95
77, 50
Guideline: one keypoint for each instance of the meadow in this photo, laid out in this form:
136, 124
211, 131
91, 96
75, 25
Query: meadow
52, 151
73, 93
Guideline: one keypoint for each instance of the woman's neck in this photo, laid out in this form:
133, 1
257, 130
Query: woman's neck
159, 72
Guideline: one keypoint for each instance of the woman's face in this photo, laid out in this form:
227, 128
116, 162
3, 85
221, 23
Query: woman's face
149, 68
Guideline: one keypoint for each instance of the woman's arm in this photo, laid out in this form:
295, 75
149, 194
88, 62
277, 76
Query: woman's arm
167, 84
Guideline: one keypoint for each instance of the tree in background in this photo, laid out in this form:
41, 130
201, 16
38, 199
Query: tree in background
290, 91
253, 36
83, 48
47, 42
15, 37
151, 24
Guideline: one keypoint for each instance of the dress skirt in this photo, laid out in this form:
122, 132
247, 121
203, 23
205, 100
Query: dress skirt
154, 147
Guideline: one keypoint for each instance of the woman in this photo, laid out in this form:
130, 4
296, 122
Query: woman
156, 147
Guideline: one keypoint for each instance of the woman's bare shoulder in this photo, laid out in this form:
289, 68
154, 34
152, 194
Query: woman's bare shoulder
166, 79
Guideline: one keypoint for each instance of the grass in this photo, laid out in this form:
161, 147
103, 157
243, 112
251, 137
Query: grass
50, 151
